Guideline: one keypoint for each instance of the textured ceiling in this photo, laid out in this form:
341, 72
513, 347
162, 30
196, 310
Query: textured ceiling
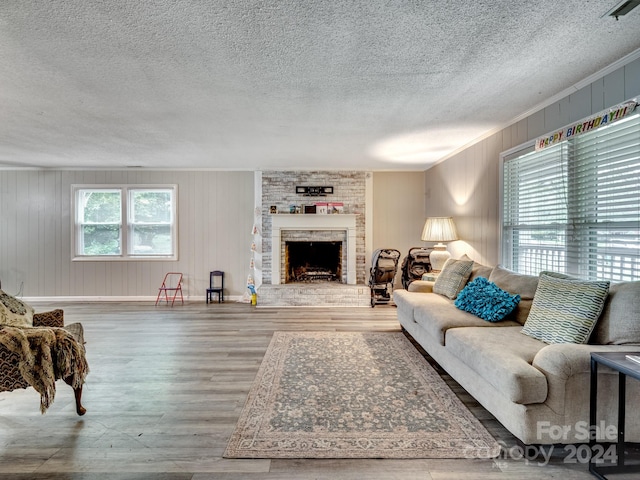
248, 84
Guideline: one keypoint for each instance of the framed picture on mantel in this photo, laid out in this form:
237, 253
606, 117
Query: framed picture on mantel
322, 208
335, 207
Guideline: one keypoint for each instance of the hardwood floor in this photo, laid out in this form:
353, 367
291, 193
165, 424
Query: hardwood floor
166, 388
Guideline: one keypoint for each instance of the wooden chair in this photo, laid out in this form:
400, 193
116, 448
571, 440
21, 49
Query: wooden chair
216, 285
172, 283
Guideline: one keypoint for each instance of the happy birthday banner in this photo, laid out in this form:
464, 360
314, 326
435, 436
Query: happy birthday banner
605, 117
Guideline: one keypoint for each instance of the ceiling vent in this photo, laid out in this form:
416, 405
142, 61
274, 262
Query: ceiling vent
622, 8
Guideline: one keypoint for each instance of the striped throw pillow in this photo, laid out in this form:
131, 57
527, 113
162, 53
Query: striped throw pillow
565, 310
453, 277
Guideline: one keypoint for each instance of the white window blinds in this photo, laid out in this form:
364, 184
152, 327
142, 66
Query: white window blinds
575, 207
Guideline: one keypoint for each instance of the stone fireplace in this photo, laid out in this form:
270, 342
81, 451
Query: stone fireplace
340, 284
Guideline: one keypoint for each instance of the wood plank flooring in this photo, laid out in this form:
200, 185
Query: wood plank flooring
167, 385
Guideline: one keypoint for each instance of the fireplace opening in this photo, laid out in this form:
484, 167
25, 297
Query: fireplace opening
313, 262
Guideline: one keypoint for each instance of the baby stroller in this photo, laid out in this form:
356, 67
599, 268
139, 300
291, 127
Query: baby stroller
415, 264
383, 271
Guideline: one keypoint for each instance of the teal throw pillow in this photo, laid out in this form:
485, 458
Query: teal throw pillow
565, 310
486, 300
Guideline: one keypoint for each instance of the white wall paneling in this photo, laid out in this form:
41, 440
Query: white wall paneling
215, 216
399, 213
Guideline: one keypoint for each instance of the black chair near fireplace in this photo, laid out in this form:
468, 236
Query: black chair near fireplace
216, 285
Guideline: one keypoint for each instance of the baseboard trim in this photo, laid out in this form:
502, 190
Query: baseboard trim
197, 299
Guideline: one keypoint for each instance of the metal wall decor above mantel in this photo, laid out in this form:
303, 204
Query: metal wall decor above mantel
314, 191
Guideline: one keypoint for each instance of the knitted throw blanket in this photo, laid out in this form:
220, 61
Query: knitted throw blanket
46, 355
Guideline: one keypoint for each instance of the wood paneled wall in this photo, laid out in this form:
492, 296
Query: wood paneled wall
398, 206
215, 216
466, 186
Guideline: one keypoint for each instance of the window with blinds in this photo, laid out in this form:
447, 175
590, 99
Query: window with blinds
575, 207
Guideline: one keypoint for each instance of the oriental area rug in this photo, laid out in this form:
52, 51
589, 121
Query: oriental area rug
353, 395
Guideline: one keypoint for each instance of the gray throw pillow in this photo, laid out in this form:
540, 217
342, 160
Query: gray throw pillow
478, 270
516, 284
565, 310
619, 323
453, 278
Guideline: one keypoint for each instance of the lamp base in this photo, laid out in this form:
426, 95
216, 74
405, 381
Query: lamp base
438, 257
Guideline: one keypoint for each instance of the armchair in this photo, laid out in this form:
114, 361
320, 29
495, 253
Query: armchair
11, 378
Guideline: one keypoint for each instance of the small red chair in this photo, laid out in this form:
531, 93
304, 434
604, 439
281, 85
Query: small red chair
172, 283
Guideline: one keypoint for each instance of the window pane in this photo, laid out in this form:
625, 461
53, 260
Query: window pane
99, 216
151, 221
537, 250
100, 206
535, 212
151, 206
101, 240
606, 200
151, 240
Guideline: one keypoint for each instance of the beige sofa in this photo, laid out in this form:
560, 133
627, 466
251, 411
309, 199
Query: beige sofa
538, 391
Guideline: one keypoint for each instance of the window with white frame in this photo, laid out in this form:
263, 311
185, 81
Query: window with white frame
125, 222
575, 207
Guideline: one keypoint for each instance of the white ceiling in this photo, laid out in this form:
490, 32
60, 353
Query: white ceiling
285, 84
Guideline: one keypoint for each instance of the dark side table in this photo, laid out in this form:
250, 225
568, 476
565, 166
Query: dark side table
618, 362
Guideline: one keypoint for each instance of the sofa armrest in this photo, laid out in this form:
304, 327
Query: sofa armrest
567, 359
567, 367
421, 286
54, 318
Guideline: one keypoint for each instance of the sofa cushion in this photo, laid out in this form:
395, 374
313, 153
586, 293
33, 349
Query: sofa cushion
406, 302
478, 270
423, 286
619, 323
565, 310
516, 283
486, 300
501, 357
437, 315
14, 311
453, 277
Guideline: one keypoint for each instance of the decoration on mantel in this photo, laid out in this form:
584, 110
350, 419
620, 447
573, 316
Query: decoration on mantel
314, 191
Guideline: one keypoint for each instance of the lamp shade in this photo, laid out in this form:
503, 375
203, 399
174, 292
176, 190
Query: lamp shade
439, 229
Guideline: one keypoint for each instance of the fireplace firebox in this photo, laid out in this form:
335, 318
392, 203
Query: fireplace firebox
316, 261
